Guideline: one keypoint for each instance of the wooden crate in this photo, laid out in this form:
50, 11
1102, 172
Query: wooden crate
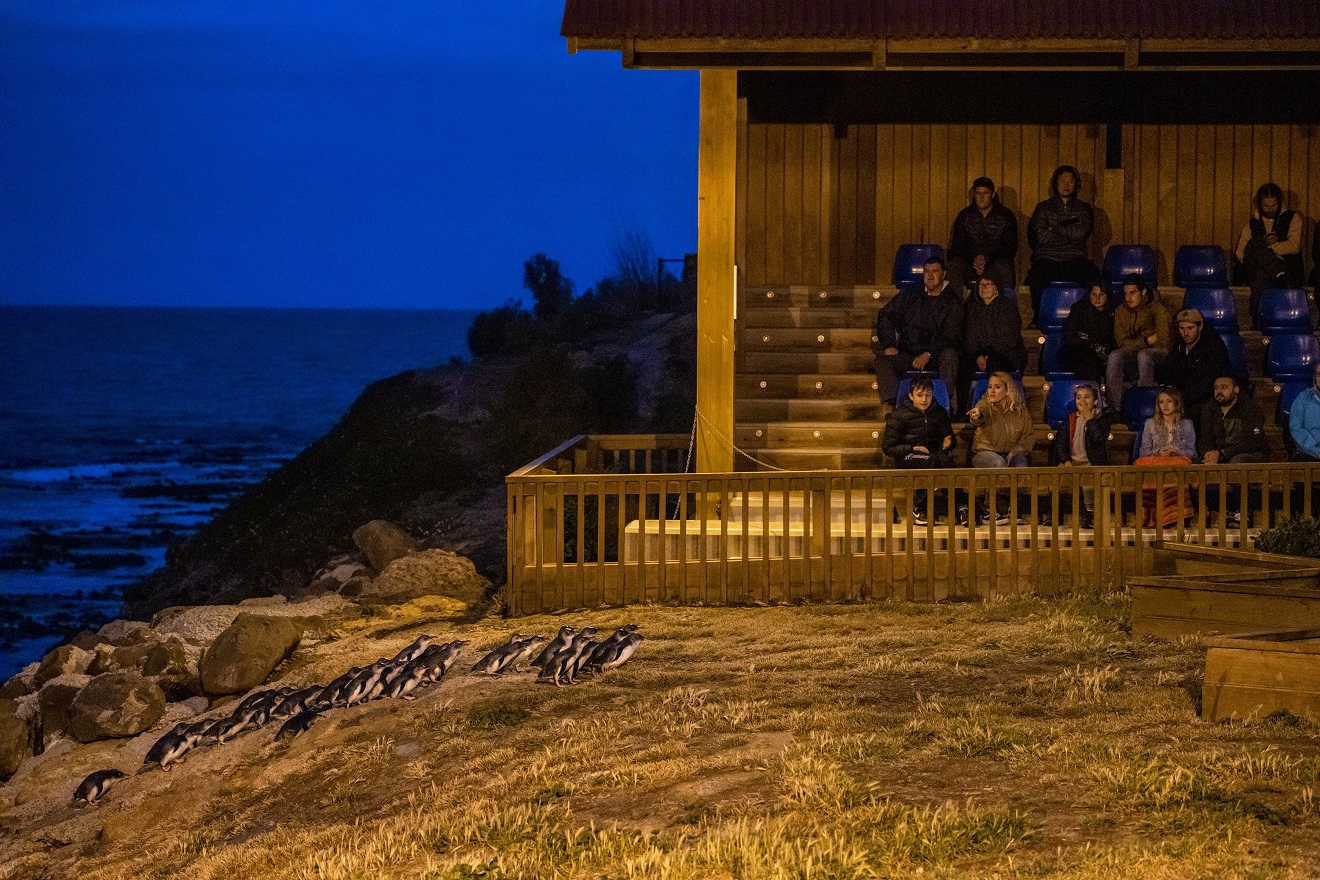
1258, 673
1169, 607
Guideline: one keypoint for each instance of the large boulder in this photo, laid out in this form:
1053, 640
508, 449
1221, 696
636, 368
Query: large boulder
55, 701
428, 573
113, 705
64, 660
246, 653
15, 739
125, 632
383, 542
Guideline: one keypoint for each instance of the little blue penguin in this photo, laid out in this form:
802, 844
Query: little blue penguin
94, 787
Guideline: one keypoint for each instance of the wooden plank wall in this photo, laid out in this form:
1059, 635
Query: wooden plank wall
821, 209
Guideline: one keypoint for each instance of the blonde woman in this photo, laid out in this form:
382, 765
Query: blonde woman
1005, 432
1167, 440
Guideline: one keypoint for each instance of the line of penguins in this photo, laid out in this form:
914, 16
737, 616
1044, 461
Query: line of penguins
561, 661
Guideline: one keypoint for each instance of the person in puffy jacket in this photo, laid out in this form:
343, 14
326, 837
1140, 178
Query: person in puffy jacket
919, 434
983, 242
1085, 441
992, 338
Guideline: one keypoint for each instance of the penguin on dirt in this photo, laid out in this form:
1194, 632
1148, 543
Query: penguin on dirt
94, 787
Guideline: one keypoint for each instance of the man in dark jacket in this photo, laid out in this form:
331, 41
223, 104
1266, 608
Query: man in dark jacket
984, 241
1230, 430
919, 329
992, 338
1192, 365
1058, 233
918, 434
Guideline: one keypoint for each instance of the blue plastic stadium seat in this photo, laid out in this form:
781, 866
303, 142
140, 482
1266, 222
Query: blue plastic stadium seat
1292, 357
1050, 367
909, 262
1139, 405
1216, 305
1287, 394
1060, 400
1122, 260
1237, 354
941, 390
1200, 265
1055, 303
1284, 310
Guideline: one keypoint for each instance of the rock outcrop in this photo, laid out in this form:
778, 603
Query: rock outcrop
15, 739
113, 705
64, 660
428, 573
245, 654
383, 542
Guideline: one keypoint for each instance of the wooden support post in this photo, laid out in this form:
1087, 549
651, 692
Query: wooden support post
717, 160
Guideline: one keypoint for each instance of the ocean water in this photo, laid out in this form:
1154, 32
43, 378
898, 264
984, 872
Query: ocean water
123, 429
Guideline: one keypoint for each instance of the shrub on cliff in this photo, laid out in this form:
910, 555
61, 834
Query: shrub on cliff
505, 330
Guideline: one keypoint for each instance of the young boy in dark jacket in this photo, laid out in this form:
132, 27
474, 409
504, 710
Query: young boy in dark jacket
919, 434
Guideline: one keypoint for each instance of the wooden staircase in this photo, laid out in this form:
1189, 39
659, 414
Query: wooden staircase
805, 393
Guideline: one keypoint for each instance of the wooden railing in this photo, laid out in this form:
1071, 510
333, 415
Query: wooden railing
614, 520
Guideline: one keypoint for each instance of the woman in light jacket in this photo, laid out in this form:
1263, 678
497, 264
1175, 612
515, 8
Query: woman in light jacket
1167, 440
1005, 433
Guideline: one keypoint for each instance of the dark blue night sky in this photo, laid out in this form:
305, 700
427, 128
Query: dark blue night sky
291, 152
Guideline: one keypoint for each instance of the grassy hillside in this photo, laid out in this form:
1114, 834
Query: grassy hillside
1024, 738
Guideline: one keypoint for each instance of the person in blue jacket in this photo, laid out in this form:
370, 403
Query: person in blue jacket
1304, 422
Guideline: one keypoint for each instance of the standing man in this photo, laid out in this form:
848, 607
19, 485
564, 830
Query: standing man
919, 329
984, 241
1058, 233
1195, 361
1270, 247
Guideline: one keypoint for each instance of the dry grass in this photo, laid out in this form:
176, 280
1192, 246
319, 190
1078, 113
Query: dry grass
1017, 739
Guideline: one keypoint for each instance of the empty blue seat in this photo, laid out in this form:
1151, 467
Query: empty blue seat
1055, 303
1292, 356
910, 261
1216, 304
1139, 405
1122, 260
1050, 367
941, 390
1061, 400
1283, 310
1237, 356
1288, 392
1200, 265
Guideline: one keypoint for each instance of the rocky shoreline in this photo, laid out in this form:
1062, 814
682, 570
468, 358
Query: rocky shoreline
132, 677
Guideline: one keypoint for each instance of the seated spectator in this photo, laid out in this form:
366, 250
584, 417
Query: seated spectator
1304, 422
992, 337
1231, 429
1058, 233
918, 434
984, 241
919, 329
1138, 337
1085, 441
1088, 336
1194, 362
1167, 439
1005, 433
1269, 250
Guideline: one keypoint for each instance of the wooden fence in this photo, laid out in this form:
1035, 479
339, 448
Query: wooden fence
616, 520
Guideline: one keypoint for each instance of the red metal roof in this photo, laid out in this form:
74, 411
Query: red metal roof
932, 19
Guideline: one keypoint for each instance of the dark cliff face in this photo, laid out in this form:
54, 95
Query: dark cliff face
429, 450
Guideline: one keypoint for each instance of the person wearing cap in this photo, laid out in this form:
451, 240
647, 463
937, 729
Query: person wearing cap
1193, 363
1059, 232
984, 241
